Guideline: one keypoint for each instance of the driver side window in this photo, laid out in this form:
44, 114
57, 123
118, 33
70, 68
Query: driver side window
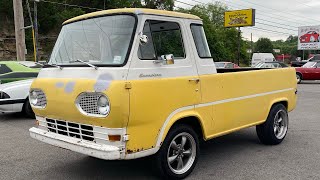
163, 38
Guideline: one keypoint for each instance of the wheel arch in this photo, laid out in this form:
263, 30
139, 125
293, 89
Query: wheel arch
301, 75
282, 101
188, 118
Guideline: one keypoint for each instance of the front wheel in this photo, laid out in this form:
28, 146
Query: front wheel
299, 78
27, 110
178, 154
274, 130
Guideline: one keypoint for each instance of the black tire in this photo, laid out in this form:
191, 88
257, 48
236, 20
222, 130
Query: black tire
299, 78
162, 159
267, 132
27, 110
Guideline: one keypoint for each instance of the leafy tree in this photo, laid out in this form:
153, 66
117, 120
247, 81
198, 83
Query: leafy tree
223, 42
159, 4
264, 45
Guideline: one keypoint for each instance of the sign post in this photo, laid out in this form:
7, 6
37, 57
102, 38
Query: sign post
239, 18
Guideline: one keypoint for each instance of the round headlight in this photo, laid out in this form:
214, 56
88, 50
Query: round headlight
33, 98
103, 105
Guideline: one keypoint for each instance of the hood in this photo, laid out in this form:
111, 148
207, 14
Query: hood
14, 84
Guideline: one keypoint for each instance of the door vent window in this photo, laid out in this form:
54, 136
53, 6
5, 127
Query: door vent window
200, 40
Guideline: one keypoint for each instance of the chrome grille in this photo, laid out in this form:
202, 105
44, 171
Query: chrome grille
42, 100
71, 129
88, 103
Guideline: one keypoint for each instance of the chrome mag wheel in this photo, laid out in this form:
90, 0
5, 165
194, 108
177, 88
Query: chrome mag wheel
181, 153
280, 126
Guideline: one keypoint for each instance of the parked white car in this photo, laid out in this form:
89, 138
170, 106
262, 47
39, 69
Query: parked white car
14, 97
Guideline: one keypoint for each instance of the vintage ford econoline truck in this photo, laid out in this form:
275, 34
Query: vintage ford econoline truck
129, 83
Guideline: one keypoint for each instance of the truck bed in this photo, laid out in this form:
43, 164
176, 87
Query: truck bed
226, 70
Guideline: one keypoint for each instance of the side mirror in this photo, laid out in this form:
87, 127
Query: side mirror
165, 59
143, 38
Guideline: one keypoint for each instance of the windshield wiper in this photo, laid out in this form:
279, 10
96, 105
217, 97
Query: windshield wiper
48, 65
89, 64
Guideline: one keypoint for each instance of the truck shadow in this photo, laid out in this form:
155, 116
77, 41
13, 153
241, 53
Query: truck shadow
309, 82
13, 117
213, 152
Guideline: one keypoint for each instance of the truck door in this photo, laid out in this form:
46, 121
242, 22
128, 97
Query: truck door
158, 89
209, 82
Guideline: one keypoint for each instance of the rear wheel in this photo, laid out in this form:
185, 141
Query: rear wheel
274, 130
299, 78
178, 154
27, 110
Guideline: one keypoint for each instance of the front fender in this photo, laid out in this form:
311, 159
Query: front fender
175, 117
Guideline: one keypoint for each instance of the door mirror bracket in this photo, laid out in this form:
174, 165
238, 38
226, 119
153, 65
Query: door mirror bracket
165, 60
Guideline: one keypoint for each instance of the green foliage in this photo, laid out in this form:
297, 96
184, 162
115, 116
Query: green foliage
6, 8
290, 46
159, 4
223, 42
168, 42
264, 45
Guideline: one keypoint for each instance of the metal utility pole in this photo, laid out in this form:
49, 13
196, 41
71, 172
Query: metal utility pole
19, 30
251, 47
239, 41
35, 26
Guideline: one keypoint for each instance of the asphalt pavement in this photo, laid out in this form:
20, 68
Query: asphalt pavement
239, 155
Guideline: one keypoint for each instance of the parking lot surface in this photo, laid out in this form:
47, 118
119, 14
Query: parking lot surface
238, 155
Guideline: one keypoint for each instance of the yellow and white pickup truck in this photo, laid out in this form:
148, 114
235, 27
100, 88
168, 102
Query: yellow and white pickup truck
128, 83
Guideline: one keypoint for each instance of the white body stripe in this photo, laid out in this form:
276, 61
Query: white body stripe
242, 98
158, 144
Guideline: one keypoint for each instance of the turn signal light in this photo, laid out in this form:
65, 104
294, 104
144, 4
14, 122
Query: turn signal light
114, 137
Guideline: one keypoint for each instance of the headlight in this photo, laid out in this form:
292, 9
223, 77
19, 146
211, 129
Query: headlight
37, 98
33, 97
103, 105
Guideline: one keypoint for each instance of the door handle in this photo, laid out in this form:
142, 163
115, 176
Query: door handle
196, 80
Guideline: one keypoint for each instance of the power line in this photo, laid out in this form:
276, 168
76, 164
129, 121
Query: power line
70, 5
256, 22
271, 31
256, 18
257, 28
303, 17
184, 3
277, 23
267, 14
276, 26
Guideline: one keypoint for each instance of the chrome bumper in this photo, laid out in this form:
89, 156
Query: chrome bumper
101, 151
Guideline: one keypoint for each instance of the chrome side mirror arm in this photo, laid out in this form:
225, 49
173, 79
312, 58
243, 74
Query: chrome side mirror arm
165, 60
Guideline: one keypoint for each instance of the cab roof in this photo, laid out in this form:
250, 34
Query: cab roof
133, 11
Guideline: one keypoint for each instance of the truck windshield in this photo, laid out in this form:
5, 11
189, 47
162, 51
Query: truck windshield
99, 41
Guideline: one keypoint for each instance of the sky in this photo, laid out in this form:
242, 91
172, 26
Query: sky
275, 19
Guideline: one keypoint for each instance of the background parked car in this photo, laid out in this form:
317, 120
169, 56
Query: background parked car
273, 64
309, 71
301, 63
228, 65
17, 70
14, 97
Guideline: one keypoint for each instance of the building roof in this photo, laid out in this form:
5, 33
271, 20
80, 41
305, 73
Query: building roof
133, 11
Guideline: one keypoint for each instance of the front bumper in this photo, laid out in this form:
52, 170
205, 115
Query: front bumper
101, 151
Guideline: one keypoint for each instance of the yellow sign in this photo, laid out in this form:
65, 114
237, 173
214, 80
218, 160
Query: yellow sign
239, 18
